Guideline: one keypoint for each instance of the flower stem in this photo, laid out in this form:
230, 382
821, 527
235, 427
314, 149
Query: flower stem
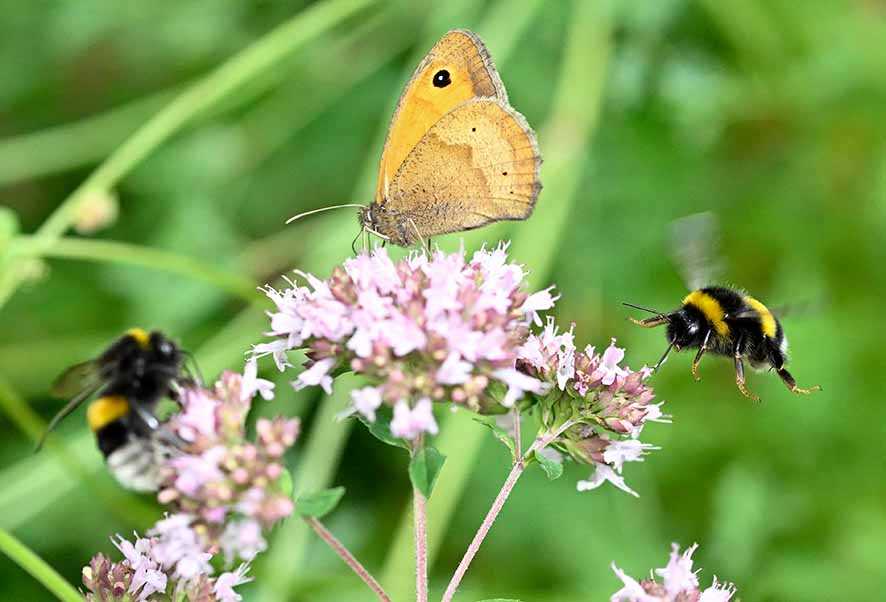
37, 568
420, 516
345, 554
540, 442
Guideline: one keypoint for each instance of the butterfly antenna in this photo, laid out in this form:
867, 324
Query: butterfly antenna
641, 308
313, 211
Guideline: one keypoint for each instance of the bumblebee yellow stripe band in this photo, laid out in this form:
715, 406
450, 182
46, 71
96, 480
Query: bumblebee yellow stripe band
106, 410
141, 336
767, 320
711, 309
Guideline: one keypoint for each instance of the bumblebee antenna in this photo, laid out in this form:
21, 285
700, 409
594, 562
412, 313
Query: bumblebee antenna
663, 358
641, 308
313, 211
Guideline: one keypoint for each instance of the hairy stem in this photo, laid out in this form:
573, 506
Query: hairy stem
345, 554
540, 442
420, 516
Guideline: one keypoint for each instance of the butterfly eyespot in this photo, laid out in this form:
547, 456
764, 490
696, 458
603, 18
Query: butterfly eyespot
504, 173
473, 129
442, 79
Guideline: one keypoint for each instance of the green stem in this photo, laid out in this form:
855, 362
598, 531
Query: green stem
37, 568
237, 71
130, 254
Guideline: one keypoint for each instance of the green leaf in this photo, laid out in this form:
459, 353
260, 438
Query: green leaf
381, 427
502, 435
499, 600
284, 482
552, 468
424, 467
319, 504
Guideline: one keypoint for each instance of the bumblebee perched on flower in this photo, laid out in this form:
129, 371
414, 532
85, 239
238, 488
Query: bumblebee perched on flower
128, 378
718, 319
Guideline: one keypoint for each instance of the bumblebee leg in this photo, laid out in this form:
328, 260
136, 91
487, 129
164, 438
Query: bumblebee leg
739, 372
650, 322
701, 350
791, 384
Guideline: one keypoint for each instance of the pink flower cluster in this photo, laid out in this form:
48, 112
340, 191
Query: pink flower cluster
679, 583
427, 328
229, 486
169, 564
609, 404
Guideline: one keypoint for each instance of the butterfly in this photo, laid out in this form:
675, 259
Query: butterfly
457, 156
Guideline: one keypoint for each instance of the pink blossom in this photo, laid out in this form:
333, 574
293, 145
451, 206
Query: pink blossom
410, 423
632, 590
366, 401
608, 370
198, 415
317, 374
454, 371
679, 583
195, 471
242, 539
678, 576
431, 326
226, 582
518, 384
601, 474
251, 384
718, 592
628, 450
537, 302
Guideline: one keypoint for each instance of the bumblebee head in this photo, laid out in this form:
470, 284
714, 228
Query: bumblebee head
163, 348
685, 328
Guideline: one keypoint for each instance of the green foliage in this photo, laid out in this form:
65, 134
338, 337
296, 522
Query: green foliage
501, 435
552, 469
320, 503
424, 468
380, 428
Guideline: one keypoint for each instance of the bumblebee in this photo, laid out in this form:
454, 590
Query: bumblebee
127, 380
718, 319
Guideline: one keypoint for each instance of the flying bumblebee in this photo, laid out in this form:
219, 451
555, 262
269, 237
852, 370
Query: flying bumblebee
127, 380
718, 319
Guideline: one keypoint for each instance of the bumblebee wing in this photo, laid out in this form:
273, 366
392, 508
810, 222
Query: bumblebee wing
72, 405
694, 243
76, 379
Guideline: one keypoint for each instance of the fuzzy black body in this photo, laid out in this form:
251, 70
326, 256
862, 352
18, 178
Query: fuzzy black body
127, 380
738, 323
140, 367
728, 322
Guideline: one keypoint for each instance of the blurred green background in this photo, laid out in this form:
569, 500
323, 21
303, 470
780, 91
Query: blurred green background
769, 113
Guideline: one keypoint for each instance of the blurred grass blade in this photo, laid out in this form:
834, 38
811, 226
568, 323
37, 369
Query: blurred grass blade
564, 141
37, 567
52, 150
237, 71
128, 254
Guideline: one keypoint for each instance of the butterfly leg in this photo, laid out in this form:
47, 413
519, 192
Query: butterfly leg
701, 350
791, 384
739, 374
